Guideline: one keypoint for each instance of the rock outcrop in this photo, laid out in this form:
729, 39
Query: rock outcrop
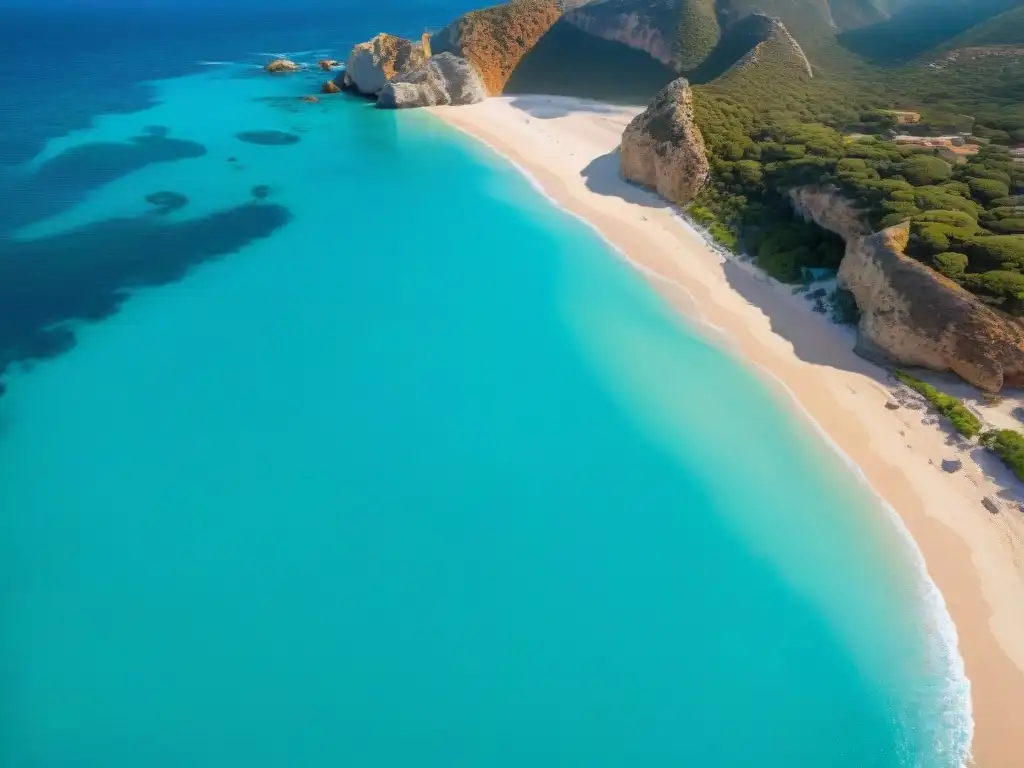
443, 79
635, 23
910, 314
282, 65
662, 147
373, 64
327, 64
330, 87
494, 40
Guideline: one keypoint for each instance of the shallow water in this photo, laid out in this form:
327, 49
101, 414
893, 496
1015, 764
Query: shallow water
394, 463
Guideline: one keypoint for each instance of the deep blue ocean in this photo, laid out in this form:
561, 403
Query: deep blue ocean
328, 441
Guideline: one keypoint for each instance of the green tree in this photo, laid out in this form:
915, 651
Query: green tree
951, 264
924, 170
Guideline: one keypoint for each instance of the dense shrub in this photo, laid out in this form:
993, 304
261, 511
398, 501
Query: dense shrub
988, 190
963, 421
951, 264
923, 170
1004, 287
995, 251
1008, 445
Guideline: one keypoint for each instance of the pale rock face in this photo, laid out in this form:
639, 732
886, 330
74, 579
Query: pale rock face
373, 64
629, 28
662, 147
910, 314
444, 79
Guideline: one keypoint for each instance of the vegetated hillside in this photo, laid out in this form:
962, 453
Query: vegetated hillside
1005, 29
783, 105
919, 27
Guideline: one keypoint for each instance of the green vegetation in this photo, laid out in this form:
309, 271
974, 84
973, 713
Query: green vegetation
963, 421
770, 127
698, 33
1008, 445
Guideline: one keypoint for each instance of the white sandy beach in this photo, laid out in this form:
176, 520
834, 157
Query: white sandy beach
975, 557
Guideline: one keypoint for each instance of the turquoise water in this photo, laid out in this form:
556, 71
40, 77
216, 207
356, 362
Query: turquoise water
400, 465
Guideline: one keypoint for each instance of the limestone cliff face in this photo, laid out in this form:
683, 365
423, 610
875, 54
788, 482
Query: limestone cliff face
373, 64
494, 40
909, 313
629, 23
662, 147
443, 79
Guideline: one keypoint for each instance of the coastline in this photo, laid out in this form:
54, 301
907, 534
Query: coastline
567, 148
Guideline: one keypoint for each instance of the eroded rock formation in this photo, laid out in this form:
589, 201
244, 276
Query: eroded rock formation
494, 40
373, 64
443, 79
662, 147
910, 314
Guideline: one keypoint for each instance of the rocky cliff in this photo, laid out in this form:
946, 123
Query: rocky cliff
494, 40
373, 64
662, 147
443, 79
910, 314
639, 24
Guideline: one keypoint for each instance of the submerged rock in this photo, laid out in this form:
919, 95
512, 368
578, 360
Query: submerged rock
327, 64
443, 79
330, 87
260, 191
310, 99
166, 202
282, 65
373, 64
268, 138
662, 147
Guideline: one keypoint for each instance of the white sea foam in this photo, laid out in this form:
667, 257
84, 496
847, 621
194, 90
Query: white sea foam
956, 699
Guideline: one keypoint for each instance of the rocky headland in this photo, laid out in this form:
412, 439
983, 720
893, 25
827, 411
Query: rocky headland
444, 79
662, 147
373, 64
910, 314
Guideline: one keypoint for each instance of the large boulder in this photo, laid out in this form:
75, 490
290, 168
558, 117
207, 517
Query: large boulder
662, 147
373, 64
494, 40
910, 314
444, 79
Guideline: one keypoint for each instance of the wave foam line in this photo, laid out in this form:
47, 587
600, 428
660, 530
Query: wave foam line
959, 686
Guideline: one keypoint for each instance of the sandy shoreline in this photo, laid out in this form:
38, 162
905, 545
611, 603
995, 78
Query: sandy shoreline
975, 558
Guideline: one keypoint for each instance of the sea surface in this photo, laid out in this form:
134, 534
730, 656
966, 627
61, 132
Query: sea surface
346, 448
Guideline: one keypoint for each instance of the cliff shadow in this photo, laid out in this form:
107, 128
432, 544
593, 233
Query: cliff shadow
815, 338
567, 61
603, 178
551, 107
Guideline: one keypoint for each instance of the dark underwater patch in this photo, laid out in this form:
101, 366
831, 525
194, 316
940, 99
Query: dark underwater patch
64, 180
268, 138
260, 192
166, 201
86, 274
